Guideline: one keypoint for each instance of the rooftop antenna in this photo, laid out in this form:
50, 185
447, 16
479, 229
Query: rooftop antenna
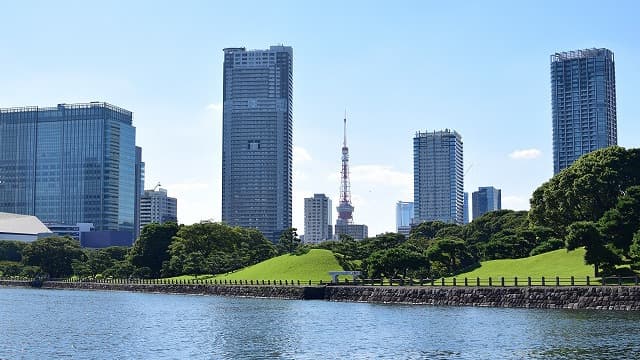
345, 128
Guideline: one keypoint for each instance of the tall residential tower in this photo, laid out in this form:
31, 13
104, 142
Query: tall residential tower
257, 128
438, 177
583, 103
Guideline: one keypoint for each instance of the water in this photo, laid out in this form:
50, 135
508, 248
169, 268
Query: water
59, 324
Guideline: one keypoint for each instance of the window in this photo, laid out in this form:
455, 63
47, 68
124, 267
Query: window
254, 145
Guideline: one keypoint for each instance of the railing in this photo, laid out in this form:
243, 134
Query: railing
456, 281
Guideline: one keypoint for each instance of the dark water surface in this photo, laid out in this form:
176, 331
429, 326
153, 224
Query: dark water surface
61, 324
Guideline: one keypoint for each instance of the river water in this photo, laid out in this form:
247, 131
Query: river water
68, 324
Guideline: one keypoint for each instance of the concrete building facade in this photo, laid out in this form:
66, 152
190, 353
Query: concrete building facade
257, 135
317, 219
157, 207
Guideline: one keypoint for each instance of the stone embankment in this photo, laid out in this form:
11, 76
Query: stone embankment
551, 297
279, 292
548, 297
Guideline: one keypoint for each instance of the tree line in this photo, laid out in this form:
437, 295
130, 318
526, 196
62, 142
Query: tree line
595, 203
162, 250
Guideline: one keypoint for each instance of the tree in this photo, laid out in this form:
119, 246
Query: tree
346, 238
120, 270
11, 250
289, 241
586, 233
81, 269
428, 229
10, 268
585, 190
97, 262
151, 248
394, 261
217, 247
634, 251
619, 224
381, 242
195, 264
54, 255
448, 256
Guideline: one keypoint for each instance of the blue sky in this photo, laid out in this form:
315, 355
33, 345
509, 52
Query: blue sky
481, 68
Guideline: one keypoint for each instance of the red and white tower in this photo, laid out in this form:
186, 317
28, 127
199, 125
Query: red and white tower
345, 209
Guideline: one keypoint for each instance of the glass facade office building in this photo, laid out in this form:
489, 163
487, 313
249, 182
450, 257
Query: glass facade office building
486, 199
583, 102
404, 217
257, 135
74, 163
438, 178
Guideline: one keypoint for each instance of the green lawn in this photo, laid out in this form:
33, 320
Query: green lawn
315, 265
561, 263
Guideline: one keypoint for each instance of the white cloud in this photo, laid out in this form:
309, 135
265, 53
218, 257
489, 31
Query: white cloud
515, 202
381, 174
217, 107
300, 155
525, 154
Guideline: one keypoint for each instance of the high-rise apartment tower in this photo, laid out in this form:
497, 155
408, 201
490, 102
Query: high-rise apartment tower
257, 128
438, 178
583, 103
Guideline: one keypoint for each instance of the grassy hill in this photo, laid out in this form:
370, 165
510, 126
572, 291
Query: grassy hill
314, 265
560, 263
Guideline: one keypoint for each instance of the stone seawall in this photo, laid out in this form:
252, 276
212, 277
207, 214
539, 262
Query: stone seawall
278, 292
549, 297
565, 297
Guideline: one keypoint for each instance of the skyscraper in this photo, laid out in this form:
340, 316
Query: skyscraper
486, 199
257, 128
74, 163
583, 103
157, 207
465, 208
139, 190
438, 178
317, 219
404, 217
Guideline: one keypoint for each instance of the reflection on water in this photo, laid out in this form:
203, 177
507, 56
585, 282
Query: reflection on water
106, 325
